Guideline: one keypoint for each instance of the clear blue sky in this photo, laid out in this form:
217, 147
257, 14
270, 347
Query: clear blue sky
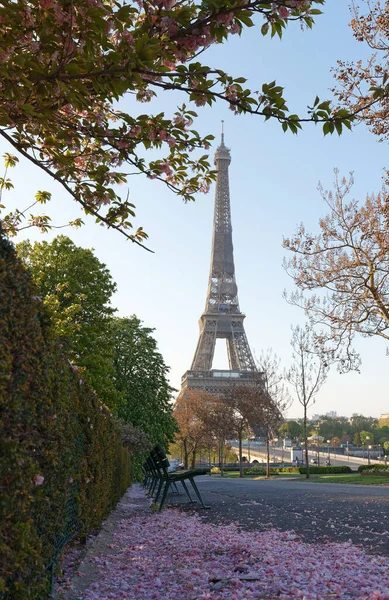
273, 179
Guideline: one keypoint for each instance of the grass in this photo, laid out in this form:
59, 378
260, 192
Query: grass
235, 475
325, 478
350, 478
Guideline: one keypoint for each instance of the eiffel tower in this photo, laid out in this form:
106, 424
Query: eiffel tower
222, 317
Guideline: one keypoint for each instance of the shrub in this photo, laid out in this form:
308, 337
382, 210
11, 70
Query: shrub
215, 471
376, 467
322, 470
62, 462
255, 470
375, 472
285, 470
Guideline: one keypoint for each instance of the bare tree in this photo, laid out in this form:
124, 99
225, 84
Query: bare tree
253, 408
277, 400
239, 399
342, 272
307, 373
191, 432
217, 417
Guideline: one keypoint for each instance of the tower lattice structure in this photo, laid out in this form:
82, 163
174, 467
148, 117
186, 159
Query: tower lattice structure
222, 317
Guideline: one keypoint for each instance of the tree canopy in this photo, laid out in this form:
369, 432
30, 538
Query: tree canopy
77, 288
65, 65
363, 85
140, 379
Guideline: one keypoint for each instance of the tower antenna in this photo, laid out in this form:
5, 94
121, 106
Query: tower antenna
222, 132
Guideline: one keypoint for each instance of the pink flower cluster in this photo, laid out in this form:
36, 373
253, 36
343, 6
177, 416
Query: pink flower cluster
174, 555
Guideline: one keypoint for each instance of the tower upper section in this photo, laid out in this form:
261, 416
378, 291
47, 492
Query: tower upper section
222, 317
222, 289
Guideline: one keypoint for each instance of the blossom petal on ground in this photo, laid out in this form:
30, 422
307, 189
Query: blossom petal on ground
174, 555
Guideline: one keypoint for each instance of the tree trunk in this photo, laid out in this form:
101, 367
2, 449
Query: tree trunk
186, 456
306, 441
267, 457
194, 458
240, 455
221, 455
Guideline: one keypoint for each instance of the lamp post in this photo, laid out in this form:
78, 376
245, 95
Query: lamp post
328, 442
367, 440
282, 452
317, 446
379, 452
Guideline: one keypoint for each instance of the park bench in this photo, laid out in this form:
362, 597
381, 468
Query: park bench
159, 480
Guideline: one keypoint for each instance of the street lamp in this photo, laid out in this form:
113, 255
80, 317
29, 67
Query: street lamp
317, 446
367, 440
282, 451
348, 455
328, 442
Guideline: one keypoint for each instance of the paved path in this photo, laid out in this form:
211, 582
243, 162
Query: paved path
318, 511
132, 503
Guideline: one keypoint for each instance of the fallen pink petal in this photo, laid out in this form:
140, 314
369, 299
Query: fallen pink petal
175, 555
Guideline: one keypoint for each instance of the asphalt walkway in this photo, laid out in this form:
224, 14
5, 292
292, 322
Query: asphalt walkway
318, 511
128, 560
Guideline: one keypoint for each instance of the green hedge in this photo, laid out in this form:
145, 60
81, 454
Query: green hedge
319, 470
62, 463
376, 467
285, 470
254, 470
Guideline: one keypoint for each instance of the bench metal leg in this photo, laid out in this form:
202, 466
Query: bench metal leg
176, 488
187, 491
165, 490
152, 488
197, 493
161, 482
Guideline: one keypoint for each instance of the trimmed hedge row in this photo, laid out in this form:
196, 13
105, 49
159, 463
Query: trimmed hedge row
62, 464
254, 471
319, 470
377, 467
285, 470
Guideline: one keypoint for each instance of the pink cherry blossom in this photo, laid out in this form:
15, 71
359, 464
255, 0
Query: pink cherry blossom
175, 555
283, 12
46, 4
38, 479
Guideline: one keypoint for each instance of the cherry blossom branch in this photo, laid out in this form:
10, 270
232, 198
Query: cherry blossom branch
89, 209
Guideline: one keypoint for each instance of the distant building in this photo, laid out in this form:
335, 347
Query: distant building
383, 420
332, 414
